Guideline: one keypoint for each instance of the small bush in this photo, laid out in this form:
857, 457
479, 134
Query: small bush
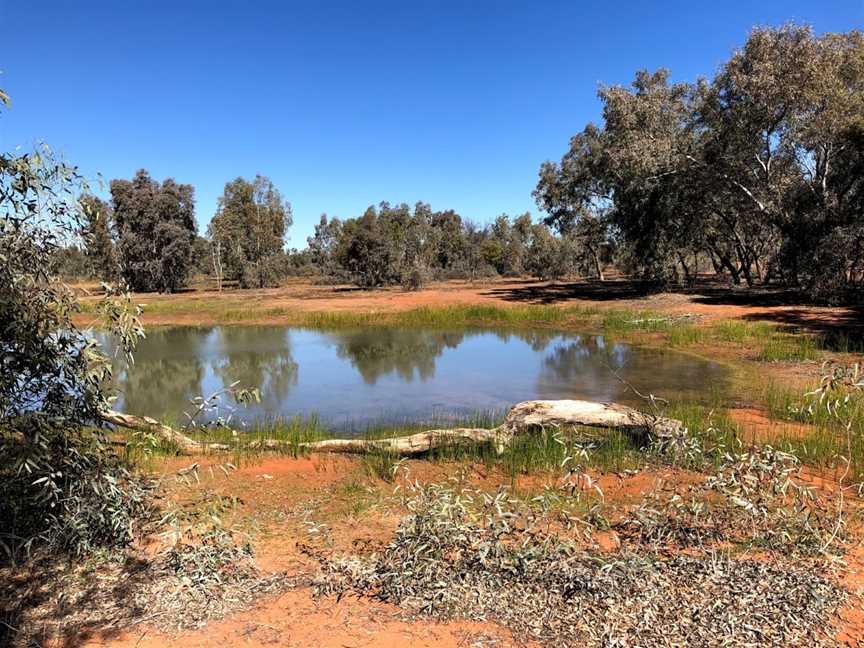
67, 492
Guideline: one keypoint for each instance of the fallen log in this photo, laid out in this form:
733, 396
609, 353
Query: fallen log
185, 444
522, 418
411, 445
570, 413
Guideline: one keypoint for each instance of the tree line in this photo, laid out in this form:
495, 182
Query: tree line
755, 174
759, 170
146, 235
393, 245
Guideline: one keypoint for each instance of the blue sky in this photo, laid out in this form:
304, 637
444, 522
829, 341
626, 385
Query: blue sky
345, 104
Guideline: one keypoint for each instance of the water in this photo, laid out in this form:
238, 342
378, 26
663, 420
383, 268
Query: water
357, 378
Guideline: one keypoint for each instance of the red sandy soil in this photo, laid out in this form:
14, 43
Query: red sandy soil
709, 300
296, 619
755, 425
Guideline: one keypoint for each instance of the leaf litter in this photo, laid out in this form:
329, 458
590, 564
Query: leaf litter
478, 556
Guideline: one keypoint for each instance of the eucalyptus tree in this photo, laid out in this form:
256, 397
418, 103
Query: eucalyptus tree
61, 484
98, 234
249, 227
782, 122
451, 244
757, 168
630, 173
156, 231
323, 246
364, 253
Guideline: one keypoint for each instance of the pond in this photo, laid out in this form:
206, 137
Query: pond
352, 379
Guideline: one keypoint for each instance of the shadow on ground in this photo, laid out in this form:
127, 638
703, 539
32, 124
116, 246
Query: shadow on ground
845, 321
553, 293
34, 612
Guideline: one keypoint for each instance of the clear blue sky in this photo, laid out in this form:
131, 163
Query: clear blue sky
345, 104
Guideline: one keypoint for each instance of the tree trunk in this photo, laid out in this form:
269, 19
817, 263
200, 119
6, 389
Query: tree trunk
523, 418
598, 265
184, 444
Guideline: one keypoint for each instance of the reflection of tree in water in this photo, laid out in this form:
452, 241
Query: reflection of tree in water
167, 372
537, 339
377, 352
257, 357
584, 367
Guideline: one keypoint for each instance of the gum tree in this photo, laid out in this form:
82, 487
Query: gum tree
60, 483
156, 231
249, 228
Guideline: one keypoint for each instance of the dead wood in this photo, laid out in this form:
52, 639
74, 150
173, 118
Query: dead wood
523, 418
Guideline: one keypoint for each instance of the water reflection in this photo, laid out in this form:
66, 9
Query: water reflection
356, 376
405, 352
168, 370
602, 370
257, 357
537, 339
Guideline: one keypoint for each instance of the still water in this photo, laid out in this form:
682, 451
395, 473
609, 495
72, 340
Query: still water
355, 378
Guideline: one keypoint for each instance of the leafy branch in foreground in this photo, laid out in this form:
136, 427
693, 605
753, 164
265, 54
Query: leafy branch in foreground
61, 484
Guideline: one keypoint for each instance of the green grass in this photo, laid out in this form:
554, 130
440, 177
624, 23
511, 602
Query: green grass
785, 347
827, 439
688, 335
823, 445
743, 332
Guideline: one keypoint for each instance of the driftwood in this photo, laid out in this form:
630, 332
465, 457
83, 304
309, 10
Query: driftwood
523, 418
146, 424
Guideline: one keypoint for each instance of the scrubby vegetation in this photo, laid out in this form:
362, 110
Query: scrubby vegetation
753, 174
727, 535
63, 486
468, 553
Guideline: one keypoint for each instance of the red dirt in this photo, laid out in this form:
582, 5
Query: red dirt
295, 619
755, 425
270, 489
710, 302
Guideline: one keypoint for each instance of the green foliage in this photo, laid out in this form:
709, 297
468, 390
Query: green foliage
395, 245
749, 170
249, 231
66, 489
98, 235
156, 231
61, 485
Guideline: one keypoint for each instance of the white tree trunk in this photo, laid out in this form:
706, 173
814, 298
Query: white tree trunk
524, 418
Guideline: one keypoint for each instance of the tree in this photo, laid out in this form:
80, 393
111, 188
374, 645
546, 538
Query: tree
386, 245
752, 169
543, 258
506, 250
780, 122
61, 484
202, 263
627, 174
323, 246
156, 231
450, 239
249, 226
364, 253
98, 235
